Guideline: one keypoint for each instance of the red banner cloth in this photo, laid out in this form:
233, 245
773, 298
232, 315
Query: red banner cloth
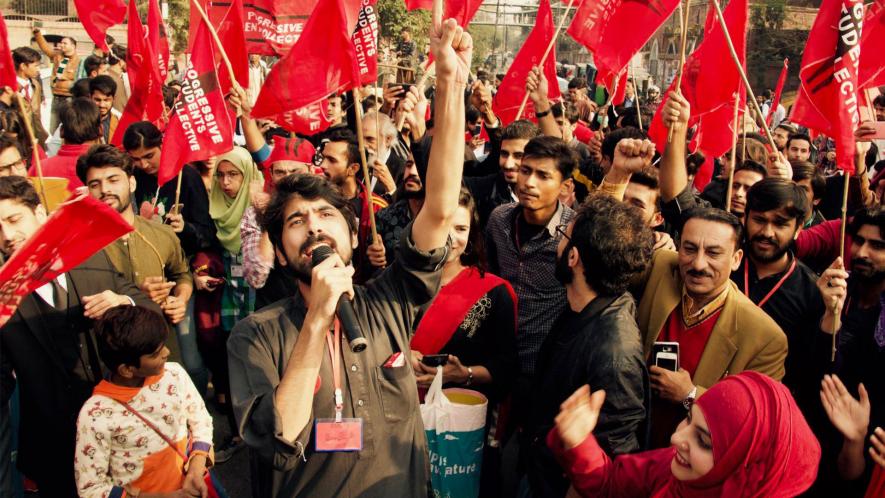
158, 39
231, 31
200, 126
272, 27
365, 42
322, 62
615, 30
461, 11
7, 67
778, 90
828, 79
871, 72
76, 230
512, 90
99, 15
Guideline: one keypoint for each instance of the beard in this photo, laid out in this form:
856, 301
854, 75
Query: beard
563, 272
122, 204
777, 251
865, 271
302, 268
410, 193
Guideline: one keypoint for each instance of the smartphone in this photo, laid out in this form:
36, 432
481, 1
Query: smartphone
435, 360
216, 281
666, 355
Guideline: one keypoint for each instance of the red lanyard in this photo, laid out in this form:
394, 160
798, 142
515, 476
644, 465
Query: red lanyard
335, 355
773, 290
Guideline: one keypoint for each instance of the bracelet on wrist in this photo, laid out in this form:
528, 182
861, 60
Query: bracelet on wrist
469, 376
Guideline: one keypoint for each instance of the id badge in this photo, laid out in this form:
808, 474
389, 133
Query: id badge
237, 271
346, 435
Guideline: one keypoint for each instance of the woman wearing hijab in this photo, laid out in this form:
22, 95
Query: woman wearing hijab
745, 437
228, 200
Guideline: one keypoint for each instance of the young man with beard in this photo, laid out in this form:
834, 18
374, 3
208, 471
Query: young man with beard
393, 220
151, 256
858, 302
781, 134
65, 63
293, 374
596, 339
49, 344
102, 90
798, 147
786, 289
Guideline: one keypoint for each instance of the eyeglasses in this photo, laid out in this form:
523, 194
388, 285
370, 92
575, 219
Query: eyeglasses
4, 168
560, 229
233, 175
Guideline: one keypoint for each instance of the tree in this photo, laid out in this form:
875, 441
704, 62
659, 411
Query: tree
769, 44
394, 18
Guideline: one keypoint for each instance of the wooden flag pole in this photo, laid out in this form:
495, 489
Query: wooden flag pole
178, 188
35, 152
837, 318
540, 64
358, 113
682, 45
224, 57
737, 62
734, 139
636, 97
431, 70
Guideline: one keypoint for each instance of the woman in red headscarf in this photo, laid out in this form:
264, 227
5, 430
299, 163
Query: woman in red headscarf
744, 437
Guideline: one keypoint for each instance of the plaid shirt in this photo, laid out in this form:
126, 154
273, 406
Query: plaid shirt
255, 269
530, 268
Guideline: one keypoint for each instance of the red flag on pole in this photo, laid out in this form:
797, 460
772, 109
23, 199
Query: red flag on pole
616, 85
75, 231
462, 11
827, 99
365, 42
871, 72
271, 26
157, 38
322, 62
777, 92
146, 101
709, 82
512, 90
99, 15
7, 67
231, 32
615, 30
200, 126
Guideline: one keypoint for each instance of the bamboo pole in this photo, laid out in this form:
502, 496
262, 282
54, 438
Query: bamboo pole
682, 45
837, 317
358, 113
550, 45
734, 139
224, 57
35, 152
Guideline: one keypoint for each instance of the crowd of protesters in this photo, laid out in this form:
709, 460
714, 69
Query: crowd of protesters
635, 335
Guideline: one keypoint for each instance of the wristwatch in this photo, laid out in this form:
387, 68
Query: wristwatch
689, 399
542, 113
469, 376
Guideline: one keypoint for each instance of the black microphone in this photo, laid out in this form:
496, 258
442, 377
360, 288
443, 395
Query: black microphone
345, 308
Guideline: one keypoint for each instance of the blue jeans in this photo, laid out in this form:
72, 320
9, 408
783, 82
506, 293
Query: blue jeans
190, 354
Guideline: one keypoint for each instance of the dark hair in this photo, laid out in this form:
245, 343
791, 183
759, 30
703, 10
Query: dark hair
520, 130
80, 88
648, 178
614, 244
70, 39
804, 170
169, 95
92, 63
500, 76
142, 135
568, 111
103, 84
103, 156
306, 186
561, 153
24, 55
774, 193
879, 100
475, 252
7, 141
126, 333
577, 83
611, 140
119, 53
749, 165
19, 189
717, 215
471, 113
798, 136
786, 127
81, 121
694, 161
874, 215
343, 134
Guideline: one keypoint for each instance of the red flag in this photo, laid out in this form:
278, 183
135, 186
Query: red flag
200, 126
616, 85
365, 39
777, 92
271, 26
157, 38
232, 34
146, 100
322, 62
7, 66
462, 11
512, 90
709, 82
99, 15
76, 230
871, 72
827, 99
614, 30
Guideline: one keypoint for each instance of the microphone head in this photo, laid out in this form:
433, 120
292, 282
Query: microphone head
320, 253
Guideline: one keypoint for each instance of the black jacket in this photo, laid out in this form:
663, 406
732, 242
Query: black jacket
488, 192
55, 370
599, 346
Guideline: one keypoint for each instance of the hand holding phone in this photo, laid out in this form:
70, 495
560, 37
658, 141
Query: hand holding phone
666, 355
435, 360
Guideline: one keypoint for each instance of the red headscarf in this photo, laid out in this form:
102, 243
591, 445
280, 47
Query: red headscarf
762, 446
288, 149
